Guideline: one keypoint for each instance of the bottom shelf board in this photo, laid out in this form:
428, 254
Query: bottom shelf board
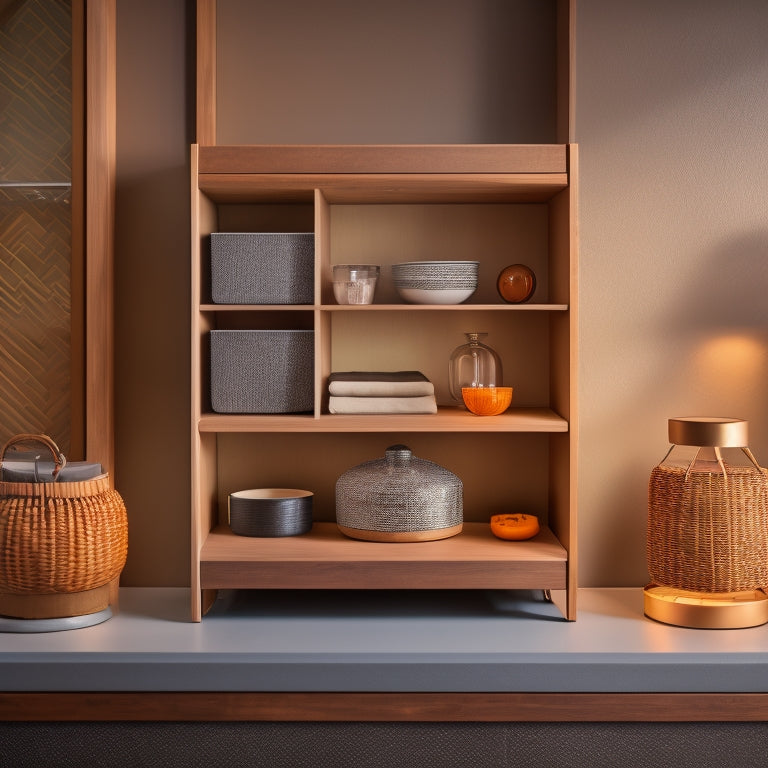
326, 559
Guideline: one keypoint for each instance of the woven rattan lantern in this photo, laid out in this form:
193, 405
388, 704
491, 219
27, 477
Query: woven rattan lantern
707, 547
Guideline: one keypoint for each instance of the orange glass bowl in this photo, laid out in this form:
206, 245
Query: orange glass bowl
487, 401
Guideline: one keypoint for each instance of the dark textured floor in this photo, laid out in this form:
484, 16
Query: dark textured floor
384, 745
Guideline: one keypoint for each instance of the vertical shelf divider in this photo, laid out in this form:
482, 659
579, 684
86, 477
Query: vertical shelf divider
322, 319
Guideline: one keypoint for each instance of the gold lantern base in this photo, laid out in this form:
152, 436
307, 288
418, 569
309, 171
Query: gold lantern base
706, 610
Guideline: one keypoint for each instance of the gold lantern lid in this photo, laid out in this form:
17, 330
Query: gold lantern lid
711, 432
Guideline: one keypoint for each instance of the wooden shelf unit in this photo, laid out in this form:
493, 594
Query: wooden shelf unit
499, 204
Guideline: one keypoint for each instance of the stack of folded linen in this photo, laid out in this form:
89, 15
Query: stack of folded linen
381, 392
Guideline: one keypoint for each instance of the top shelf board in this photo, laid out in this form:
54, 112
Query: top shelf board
383, 174
384, 158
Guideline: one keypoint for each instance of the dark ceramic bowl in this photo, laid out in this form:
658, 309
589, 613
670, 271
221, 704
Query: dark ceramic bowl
270, 512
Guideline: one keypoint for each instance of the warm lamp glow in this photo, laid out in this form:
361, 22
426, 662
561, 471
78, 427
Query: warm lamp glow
732, 368
740, 357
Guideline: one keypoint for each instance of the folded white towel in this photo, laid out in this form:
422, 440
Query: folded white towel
380, 384
425, 404
381, 388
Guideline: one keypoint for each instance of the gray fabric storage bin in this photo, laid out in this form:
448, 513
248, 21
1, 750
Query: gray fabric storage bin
262, 371
262, 267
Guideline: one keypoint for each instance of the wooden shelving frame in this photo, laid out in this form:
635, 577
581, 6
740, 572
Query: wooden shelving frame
320, 178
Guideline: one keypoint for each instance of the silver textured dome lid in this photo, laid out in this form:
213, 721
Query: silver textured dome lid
399, 498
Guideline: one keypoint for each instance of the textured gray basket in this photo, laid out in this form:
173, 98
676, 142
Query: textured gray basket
262, 267
262, 371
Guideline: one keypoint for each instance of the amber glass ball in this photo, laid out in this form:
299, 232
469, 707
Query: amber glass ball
516, 283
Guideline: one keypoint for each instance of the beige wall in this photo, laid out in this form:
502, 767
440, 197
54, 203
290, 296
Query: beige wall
152, 289
671, 114
424, 71
670, 117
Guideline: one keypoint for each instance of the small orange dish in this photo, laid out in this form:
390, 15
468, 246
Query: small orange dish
487, 401
515, 527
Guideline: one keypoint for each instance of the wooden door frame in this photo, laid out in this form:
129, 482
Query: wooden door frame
205, 109
94, 32
91, 212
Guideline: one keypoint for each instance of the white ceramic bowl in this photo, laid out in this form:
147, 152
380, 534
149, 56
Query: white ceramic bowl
435, 296
435, 270
435, 282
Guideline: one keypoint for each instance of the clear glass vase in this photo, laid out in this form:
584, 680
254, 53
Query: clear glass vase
473, 364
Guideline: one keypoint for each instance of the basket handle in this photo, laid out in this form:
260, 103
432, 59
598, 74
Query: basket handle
59, 460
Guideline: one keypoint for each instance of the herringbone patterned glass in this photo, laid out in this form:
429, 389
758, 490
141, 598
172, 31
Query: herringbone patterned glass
36, 390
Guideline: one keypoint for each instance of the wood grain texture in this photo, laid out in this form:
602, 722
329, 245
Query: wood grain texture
571, 540
77, 241
197, 526
326, 559
384, 158
383, 187
566, 69
445, 420
206, 72
384, 707
101, 22
361, 175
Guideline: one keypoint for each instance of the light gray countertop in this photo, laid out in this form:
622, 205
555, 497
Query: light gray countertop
384, 642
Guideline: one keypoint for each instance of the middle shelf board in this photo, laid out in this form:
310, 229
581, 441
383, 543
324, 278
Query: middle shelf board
384, 307
445, 420
326, 559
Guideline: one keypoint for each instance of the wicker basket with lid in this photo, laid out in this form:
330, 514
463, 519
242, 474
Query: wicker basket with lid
64, 544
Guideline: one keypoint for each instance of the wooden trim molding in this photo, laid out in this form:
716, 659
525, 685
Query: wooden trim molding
566, 67
206, 72
385, 707
100, 157
77, 243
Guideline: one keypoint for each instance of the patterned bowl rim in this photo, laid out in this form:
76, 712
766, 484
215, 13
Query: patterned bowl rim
468, 291
432, 263
435, 272
436, 282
